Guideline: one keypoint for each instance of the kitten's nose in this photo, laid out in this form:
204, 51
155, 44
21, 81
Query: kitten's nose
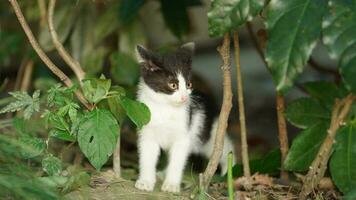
184, 98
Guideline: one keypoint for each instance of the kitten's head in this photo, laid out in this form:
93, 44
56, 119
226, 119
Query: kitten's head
169, 76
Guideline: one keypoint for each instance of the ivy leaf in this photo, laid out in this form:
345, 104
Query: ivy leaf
305, 112
32, 146
136, 111
63, 135
226, 15
339, 29
305, 147
175, 16
96, 90
343, 160
52, 165
293, 27
124, 69
24, 102
97, 136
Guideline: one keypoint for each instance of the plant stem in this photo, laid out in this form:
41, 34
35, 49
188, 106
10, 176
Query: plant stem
116, 159
224, 51
244, 145
73, 64
26, 79
229, 177
43, 14
280, 106
282, 134
317, 169
64, 78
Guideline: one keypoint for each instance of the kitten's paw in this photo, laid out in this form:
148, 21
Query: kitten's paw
144, 185
170, 187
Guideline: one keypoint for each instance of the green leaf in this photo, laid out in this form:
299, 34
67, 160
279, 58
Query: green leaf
96, 90
175, 16
343, 160
24, 102
339, 29
293, 28
106, 23
305, 112
97, 136
130, 36
268, 164
32, 146
63, 135
227, 15
117, 109
128, 10
305, 147
325, 92
94, 60
350, 195
52, 165
136, 111
124, 69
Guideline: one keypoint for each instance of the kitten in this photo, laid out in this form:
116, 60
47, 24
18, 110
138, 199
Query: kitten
180, 122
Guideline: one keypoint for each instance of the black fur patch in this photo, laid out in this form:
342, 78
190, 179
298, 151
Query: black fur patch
159, 70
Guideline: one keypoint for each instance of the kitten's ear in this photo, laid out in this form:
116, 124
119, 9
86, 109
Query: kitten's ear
190, 47
146, 58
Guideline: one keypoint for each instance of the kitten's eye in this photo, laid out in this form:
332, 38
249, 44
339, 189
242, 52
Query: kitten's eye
173, 86
189, 85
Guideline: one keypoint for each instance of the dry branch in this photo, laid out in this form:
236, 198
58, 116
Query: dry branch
72, 63
224, 51
64, 78
244, 145
43, 13
317, 169
280, 105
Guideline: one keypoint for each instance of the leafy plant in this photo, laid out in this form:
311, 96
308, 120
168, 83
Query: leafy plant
24, 102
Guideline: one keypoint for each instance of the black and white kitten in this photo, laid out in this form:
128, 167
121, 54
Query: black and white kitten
180, 123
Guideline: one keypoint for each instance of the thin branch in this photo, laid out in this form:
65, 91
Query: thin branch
224, 51
282, 134
72, 63
43, 14
280, 105
244, 145
64, 78
26, 79
317, 169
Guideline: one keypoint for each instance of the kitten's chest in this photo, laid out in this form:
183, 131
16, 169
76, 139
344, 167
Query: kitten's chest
170, 117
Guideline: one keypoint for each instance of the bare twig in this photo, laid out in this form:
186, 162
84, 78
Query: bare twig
64, 78
116, 159
224, 51
282, 134
73, 64
280, 105
319, 165
244, 145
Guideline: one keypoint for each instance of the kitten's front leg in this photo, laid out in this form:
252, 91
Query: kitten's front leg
178, 156
148, 155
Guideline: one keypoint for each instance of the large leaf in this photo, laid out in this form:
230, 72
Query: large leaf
226, 15
24, 102
128, 10
175, 16
97, 136
52, 165
305, 147
137, 111
325, 92
305, 112
293, 28
106, 23
32, 146
343, 160
124, 69
339, 30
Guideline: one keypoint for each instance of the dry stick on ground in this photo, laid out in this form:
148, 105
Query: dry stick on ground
64, 78
280, 106
72, 63
224, 51
244, 145
317, 169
